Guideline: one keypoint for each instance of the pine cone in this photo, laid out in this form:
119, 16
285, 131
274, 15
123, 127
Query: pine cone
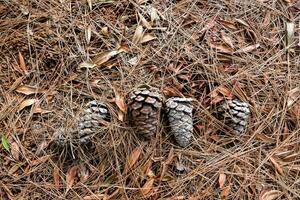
88, 124
235, 114
144, 109
91, 120
179, 114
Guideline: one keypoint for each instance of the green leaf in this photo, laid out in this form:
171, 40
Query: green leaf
5, 143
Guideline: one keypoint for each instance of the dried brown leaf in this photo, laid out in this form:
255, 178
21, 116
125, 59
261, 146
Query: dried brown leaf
227, 39
276, 165
222, 48
28, 90
225, 192
120, 101
56, 177
293, 96
88, 34
144, 21
270, 195
22, 63
147, 38
94, 197
90, 4
105, 56
87, 65
145, 168
105, 31
147, 187
290, 31
222, 180
39, 160
138, 34
15, 150
25, 103
228, 24
247, 49
132, 159
70, 177
37, 109
154, 15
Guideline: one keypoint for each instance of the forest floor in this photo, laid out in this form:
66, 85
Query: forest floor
56, 55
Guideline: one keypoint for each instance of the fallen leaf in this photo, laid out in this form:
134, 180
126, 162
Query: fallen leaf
88, 34
56, 177
94, 197
132, 159
39, 160
25, 103
5, 143
222, 48
15, 150
270, 195
210, 24
120, 101
87, 65
153, 15
228, 24
138, 34
28, 90
276, 165
293, 96
146, 167
225, 91
22, 63
247, 49
242, 22
147, 187
70, 177
37, 109
227, 39
90, 4
147, 38
290, 31
105, 31
222, 180
144, 21
225, 192
105, 56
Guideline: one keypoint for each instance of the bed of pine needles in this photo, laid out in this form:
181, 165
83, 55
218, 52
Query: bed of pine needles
56, 55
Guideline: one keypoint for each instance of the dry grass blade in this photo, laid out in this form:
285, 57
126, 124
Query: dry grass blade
26, 103
94, 197
70, 177
132, 159
147, 187
138, 35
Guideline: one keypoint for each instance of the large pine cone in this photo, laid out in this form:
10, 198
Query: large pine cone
179, 114
235, 114
90, 122
144, 109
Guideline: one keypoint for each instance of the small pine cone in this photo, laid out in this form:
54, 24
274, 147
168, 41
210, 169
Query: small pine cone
179, 114
144, 109
235, 114
88, 124
91, 120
